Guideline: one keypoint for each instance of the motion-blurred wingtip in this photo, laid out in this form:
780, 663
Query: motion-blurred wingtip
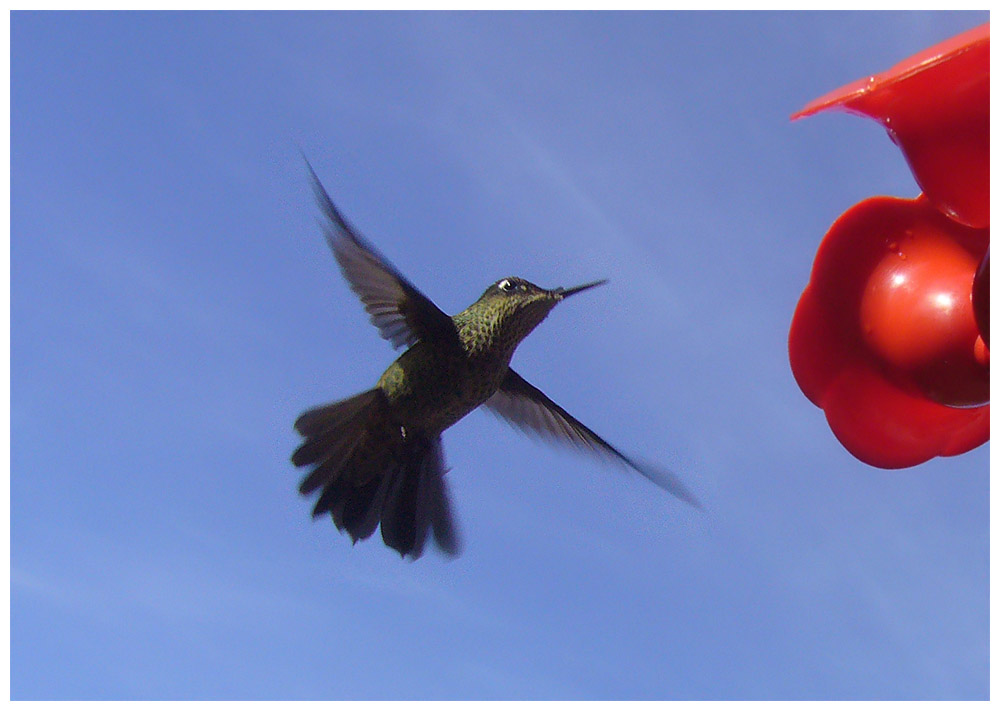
693, 501
669, 482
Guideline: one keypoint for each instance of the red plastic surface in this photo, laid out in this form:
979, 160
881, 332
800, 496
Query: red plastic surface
936, 107
891, 336
884, 338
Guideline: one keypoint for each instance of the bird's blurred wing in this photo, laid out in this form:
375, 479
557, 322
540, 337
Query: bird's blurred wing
528, 408
400, 312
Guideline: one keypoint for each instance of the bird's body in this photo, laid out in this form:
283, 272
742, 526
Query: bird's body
433, 385
430, 389
377, 456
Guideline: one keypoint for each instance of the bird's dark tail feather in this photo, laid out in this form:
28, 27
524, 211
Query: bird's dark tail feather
372, 471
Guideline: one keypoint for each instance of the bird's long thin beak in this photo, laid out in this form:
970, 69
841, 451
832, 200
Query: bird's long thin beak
563, 293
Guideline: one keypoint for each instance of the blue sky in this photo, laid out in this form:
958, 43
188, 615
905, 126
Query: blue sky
174, 308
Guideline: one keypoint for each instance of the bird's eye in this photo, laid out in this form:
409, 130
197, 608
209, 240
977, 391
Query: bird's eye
505, 285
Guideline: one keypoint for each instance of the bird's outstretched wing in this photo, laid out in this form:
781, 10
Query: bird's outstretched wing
400, 312
525, 406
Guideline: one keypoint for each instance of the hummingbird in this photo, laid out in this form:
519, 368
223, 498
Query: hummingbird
376, 458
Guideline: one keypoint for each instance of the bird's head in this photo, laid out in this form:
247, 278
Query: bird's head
519, 306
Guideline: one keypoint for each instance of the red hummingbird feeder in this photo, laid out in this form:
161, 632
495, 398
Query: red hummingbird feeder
891, 335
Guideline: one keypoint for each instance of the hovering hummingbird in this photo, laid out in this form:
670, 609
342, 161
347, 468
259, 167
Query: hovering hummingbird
376, 457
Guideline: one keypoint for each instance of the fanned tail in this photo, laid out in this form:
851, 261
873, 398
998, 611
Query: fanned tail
418, 501
370, 471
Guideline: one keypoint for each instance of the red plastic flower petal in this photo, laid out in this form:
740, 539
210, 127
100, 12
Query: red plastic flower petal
884, 338
936, 107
